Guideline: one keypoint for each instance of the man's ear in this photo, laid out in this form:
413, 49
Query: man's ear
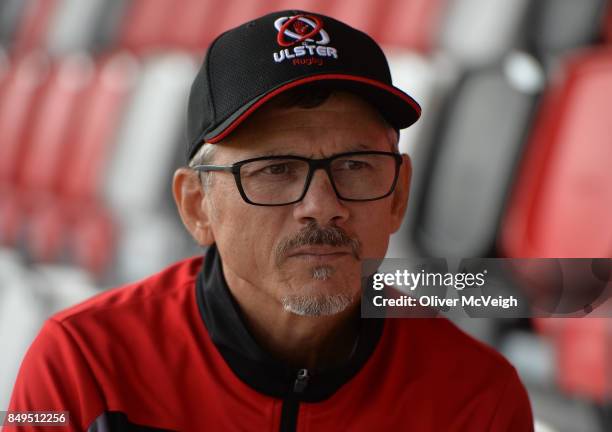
401, 194
192, 206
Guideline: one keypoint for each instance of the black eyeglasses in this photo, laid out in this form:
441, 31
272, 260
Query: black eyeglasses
283, 180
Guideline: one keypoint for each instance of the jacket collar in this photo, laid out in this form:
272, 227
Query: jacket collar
254, 366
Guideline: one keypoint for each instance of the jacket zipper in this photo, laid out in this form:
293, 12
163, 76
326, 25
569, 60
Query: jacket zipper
291, 404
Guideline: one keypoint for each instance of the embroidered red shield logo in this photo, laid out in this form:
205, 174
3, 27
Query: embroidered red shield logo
300, 28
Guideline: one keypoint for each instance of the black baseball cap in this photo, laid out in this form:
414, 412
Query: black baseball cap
250, 64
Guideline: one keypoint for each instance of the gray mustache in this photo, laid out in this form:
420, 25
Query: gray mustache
315, 235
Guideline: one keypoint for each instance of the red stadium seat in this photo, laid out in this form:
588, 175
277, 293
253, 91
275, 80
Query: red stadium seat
584, 345
411, 24
20, 87
150, 25
62, 229
91, 140
144, 24
561, 207
19, 92
565, 177
74, 225
158, 24
362, 14
57, 109
197, 23
235, 12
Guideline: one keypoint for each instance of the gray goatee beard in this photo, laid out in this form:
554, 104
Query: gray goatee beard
325, 304
321, 305
306, 305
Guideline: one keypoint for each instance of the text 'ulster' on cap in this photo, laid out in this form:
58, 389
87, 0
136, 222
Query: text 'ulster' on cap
248, 65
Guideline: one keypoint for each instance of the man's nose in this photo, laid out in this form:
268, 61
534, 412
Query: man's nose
321, 202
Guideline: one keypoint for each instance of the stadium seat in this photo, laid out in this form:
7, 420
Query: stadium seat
21, 314
561, 26
141, 24
92, 139
428, 80
197, 24
584, 345
20, 84
478, 33
405, 24
10, 16
366, 15
235, 13
57, 107
56, 110
89, 225
408, 25
21, 87
565, 176
411, 24
137, 184
561, 205
28, 296
83, 26
476, 151
608, 25
34, 23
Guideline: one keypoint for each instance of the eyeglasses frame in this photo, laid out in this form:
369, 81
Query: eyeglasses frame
313, 166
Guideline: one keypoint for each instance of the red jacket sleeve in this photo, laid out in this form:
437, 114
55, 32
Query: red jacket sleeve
513, 412
55, 377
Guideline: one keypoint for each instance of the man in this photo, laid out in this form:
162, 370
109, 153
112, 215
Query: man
294, 179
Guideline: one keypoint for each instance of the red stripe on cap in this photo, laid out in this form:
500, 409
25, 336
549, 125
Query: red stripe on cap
296, 83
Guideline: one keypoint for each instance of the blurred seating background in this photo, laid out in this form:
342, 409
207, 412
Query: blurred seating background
512, 157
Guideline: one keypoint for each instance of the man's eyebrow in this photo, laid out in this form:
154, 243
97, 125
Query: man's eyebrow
281, 152
276, 152
359, 146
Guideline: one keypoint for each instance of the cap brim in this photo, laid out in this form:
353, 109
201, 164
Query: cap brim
397, 107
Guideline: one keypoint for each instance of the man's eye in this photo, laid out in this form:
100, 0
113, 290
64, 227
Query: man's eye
276, 169
353, 165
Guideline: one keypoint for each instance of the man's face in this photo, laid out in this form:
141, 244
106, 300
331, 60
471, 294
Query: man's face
305, 256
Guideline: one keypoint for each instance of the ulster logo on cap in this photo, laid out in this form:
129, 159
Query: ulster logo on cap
299, 28
306, 35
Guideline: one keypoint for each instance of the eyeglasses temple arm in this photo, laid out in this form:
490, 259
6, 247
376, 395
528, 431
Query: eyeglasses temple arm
205, 168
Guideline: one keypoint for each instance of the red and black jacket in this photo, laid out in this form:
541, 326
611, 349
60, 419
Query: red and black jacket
173, 353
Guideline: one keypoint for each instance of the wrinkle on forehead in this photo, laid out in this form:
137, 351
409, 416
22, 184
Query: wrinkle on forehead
342, 123
288, 152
